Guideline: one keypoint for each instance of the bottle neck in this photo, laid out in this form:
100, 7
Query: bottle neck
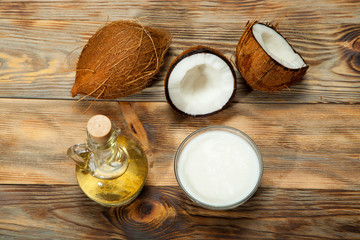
107, 160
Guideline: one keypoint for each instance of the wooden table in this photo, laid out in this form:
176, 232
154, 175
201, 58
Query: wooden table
309, 135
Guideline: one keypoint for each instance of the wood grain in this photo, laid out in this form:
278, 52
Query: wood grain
63, 212
39, 49
309, 135
303, 145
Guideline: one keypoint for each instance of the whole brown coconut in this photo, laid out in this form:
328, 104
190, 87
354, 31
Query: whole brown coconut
120, 59
266, 60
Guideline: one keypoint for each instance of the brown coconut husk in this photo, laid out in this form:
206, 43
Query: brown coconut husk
259, 70
120, 59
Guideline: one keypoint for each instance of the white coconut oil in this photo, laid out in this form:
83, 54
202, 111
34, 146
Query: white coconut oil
219, 168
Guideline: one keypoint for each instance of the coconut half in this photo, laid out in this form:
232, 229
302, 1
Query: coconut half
201, 81
266, 60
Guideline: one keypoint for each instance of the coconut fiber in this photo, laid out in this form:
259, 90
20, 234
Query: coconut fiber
120, 59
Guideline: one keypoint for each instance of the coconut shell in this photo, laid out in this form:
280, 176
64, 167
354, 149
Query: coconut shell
260, 70
187, 53
120, 59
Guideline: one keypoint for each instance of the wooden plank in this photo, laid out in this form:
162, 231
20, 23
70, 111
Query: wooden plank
63, 212
303, 145
38, 51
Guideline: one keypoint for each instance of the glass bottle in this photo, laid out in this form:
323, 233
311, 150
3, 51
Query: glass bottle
111, 169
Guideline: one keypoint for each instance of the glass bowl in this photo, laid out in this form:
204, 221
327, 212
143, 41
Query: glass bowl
218, 167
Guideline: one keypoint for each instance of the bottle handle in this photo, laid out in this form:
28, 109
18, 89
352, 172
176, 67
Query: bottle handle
77, 153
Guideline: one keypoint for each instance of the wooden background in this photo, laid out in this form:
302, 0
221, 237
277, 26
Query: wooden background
309, 135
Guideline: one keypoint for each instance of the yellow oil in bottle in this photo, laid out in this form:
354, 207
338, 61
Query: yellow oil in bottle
121, 190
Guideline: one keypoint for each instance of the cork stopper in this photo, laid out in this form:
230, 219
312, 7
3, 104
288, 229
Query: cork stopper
99, 128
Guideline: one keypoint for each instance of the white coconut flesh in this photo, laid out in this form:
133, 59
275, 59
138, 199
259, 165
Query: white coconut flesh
200, 84
277, 47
